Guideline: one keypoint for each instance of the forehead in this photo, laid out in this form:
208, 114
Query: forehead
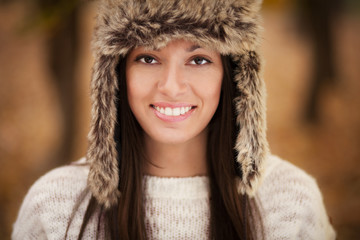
176, 44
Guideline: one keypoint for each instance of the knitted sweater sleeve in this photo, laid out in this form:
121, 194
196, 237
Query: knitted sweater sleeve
291, 205
54, 200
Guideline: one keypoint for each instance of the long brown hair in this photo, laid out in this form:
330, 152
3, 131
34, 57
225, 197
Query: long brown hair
229, 210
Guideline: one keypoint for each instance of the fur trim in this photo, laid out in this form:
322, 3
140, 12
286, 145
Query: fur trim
229, 26
251, 143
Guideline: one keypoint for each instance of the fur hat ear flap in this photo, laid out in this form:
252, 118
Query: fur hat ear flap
251, 144
103, 177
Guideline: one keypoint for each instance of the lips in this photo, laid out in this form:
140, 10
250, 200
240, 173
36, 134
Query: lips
171, 112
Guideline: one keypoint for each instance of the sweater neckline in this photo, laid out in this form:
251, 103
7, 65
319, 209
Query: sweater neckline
176, 188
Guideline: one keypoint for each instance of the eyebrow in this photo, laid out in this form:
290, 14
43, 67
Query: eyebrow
193, 48
190, 49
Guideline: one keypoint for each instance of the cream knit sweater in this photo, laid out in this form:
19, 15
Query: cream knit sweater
289, 202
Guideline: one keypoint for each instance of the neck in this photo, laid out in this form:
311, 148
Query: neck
176, 159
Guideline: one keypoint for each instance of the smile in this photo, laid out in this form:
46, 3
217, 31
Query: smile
168, 111
172, 113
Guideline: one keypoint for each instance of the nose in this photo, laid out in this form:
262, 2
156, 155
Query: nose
172, 81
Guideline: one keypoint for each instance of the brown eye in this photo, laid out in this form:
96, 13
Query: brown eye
147, 59
199, 61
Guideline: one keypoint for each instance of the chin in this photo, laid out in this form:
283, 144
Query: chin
175, 136
171, 139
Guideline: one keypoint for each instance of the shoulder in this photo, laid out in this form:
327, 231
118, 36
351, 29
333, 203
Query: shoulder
60, 183
280, 175
49, 204
291, 204
75, 172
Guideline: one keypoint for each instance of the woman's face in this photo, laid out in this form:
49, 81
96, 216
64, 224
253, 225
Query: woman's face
174, 91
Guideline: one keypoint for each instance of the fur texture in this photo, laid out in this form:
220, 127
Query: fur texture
229, 26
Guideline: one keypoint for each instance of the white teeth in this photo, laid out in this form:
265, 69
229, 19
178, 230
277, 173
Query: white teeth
176, 112
168, 111
173, 111
182, 110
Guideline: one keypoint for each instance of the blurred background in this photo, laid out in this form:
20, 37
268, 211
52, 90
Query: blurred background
312, 71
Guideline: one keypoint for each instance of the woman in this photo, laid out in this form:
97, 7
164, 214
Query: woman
177, 147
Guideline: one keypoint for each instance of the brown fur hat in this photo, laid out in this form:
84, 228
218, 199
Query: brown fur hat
229, 26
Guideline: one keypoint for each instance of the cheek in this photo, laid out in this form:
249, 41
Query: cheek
213, 96
209, 88
214, 91
134, 94
138, 86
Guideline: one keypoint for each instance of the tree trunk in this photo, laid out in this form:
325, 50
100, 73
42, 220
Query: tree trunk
62, 56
